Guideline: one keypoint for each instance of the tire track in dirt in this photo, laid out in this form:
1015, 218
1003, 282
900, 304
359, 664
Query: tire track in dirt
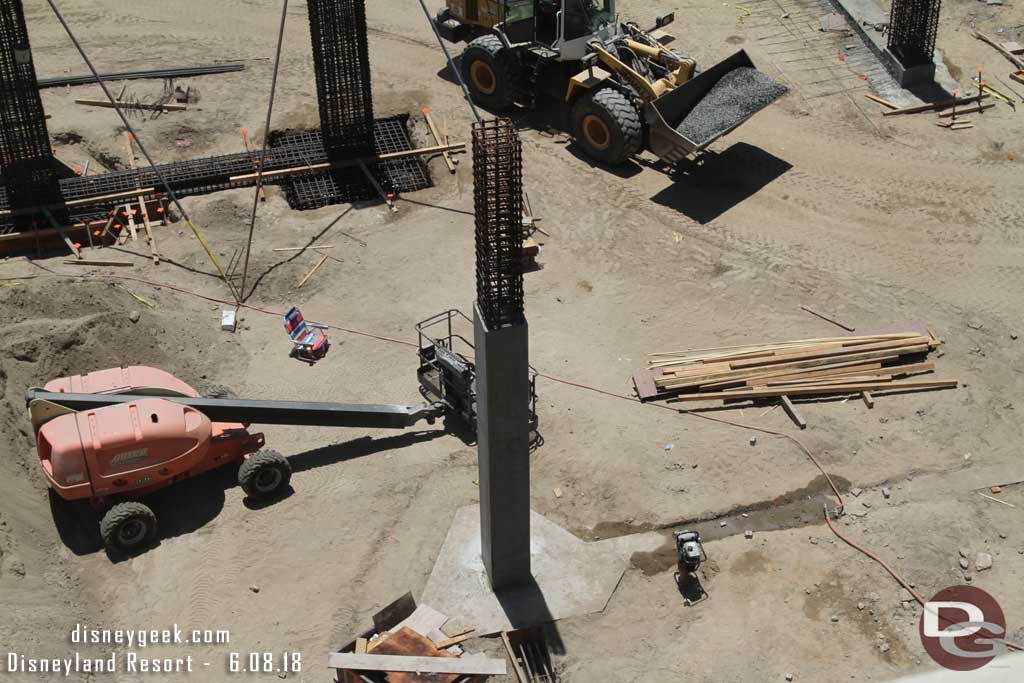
865, 266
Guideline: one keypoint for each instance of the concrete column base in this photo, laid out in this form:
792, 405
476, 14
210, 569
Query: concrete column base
503, 450
912, 75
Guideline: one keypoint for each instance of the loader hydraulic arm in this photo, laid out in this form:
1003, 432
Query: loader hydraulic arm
647, 91
306, 413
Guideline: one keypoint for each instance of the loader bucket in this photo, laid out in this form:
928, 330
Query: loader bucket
674, 135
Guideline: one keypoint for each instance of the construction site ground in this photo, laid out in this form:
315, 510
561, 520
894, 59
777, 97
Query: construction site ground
816, 201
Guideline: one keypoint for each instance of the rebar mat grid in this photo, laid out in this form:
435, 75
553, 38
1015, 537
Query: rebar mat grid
303, 191
814, 63
322, 188
498, 204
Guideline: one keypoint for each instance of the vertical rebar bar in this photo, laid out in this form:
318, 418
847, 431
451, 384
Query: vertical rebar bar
913, 27
26, 159
498, 204
341, 61
262, 164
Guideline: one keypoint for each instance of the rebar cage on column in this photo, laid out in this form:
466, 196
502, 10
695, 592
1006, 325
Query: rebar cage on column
26, 160
498, 203
341, 61
913, 26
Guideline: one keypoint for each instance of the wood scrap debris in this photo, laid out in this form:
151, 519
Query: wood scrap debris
966, 110
132, 105
407, 645
326, 246
449, 162
1016, 61
854, 364
879, 100
310, 273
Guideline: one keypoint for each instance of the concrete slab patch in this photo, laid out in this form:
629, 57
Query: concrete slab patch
572, 577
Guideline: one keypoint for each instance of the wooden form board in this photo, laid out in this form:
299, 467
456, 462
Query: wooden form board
820, 389
310, 273
945, 114
686, 382
928, 106
423, 620
790, 409
405, 641
455, 640
1016, 61
146, 225
437, 138
666, 359
446, 665
802, 367
454, 147
132, 105
879, 100
827, 353
63, 235
88, 200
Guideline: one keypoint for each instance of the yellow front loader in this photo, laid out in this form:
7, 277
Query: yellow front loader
623, 88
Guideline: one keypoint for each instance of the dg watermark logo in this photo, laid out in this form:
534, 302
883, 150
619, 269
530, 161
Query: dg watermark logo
962, 628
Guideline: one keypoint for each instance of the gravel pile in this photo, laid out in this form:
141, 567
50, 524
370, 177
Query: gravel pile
740, 93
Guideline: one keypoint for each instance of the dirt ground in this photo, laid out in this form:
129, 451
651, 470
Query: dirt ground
817, 201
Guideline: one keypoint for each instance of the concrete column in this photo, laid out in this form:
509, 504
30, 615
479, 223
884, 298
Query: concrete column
503, 450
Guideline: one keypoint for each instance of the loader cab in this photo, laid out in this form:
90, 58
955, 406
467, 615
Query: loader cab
580, 23
566, 26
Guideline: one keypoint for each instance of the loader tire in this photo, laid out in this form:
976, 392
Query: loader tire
607, 126
265, 474
216, 391
128, 527
488, 70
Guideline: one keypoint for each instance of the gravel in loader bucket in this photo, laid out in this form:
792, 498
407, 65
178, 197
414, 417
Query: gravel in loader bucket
684, 121
739, 94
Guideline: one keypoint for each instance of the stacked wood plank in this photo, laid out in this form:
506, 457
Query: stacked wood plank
805, 367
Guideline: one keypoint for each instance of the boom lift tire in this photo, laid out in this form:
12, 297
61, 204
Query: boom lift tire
128, 527
489, 72
607, 126
265, 474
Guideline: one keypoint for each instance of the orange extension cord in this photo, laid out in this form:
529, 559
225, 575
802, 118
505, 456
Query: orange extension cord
839, 498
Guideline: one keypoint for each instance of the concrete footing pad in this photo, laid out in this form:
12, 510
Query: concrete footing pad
903, 87
571, 577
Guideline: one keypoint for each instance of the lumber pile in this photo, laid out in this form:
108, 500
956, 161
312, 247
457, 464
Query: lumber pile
412, 649
805, 367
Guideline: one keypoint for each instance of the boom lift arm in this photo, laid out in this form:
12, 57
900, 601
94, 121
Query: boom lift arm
305, 413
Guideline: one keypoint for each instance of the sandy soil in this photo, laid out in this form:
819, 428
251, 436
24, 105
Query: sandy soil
817, 200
